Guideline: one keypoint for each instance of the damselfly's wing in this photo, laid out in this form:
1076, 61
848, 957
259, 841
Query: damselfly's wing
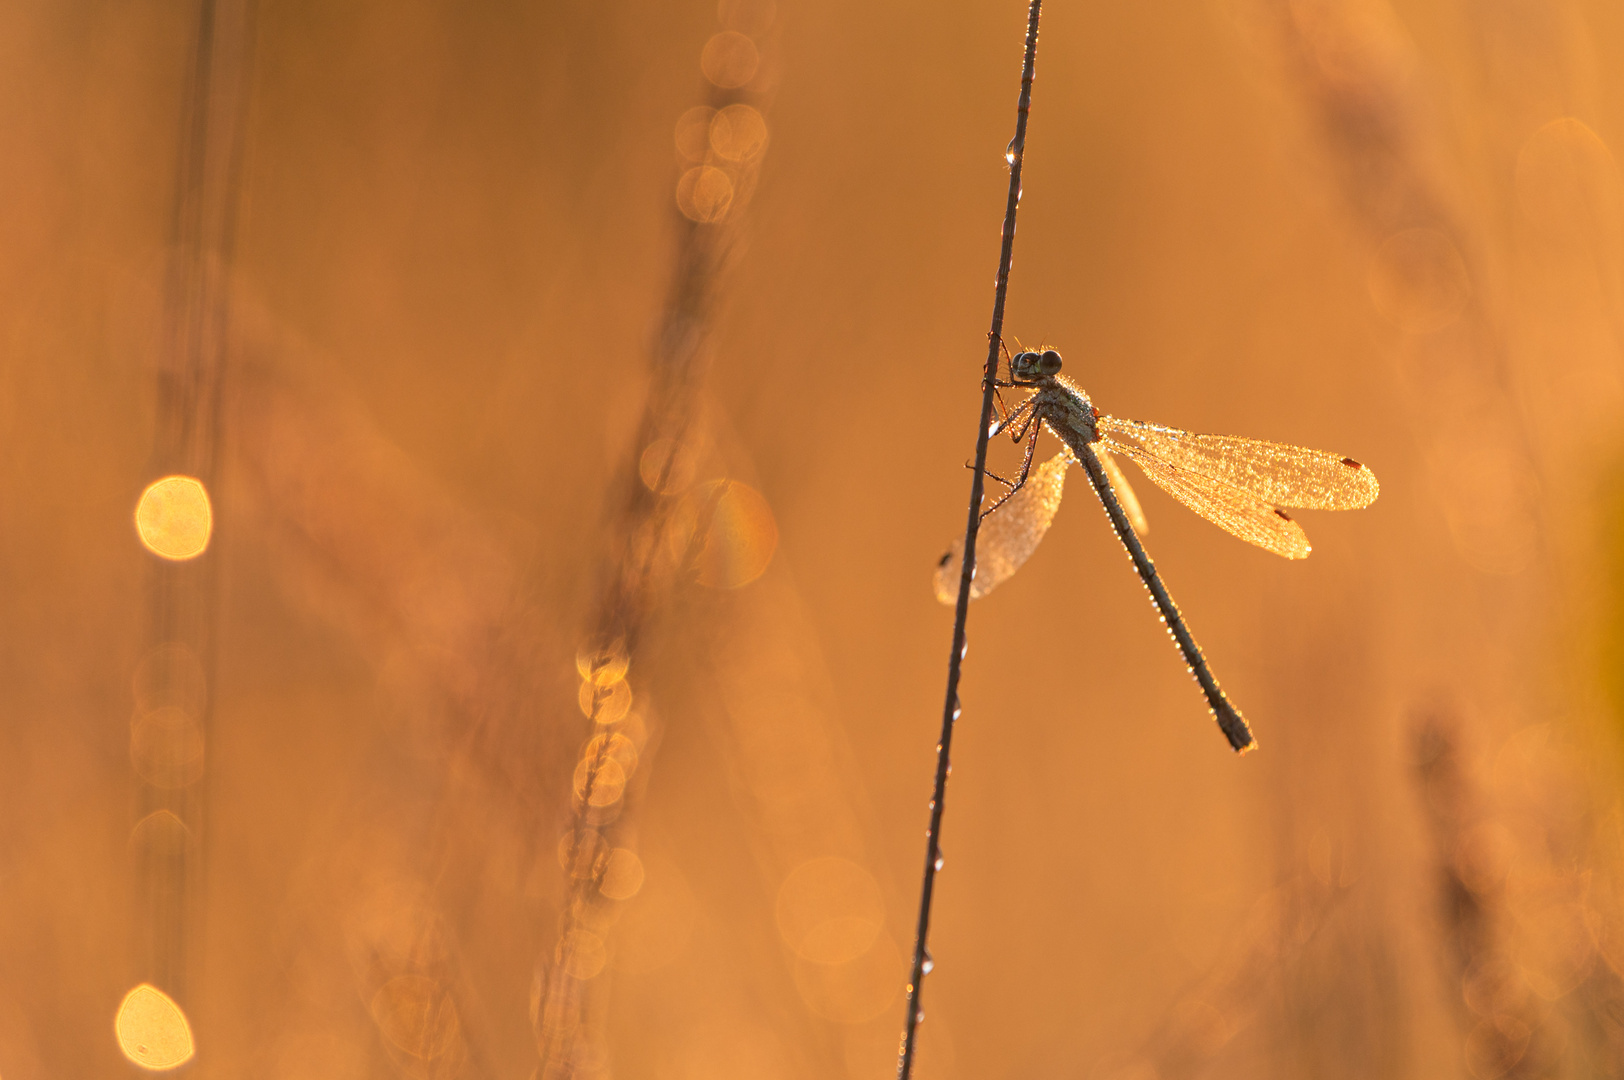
1276, 473
1009, 534
1223, 504
1124, 492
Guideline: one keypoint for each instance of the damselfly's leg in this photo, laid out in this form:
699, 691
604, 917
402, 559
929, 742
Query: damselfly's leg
989, 472
1020, 436
1003, 410
1229, 718
1026, 464
1025, 408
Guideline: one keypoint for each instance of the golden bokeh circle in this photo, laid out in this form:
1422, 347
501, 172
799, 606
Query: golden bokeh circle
166, 747
174, 519
729, 59
741, 535
152, 1030
704, 194
160, 835
667, 466
614, 747
605, 666
582, 954
829, 910
1418, 281
738, 133
580, 854
692, 132
1568, 182
417, 1015
604, 705
622, 875
857, 991
608, 781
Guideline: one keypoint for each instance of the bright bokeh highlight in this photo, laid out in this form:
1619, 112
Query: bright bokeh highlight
603, 667
604, 704
582, 954
704, 193
1418, 281
152, 1030
856, 991
738, 133
741, 538
829, 910
693, 132
417, 1015
174, 518
601, 786
729, 59
622, 875
666, 466
1568, 183
166, 747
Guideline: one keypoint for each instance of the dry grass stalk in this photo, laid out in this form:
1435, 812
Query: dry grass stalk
654, 539
1508, 1029
176, 678
400, 566
950, 709
1430, 276
1227, 1021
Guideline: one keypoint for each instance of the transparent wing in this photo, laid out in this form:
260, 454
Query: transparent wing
1124, 492
1008, 536
1276, 473
1228, 507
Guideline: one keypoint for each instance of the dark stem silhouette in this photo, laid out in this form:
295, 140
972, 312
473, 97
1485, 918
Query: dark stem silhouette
961, 611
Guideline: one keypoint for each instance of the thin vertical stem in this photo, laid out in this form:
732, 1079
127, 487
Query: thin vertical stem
181, 597
961, 611
640, 572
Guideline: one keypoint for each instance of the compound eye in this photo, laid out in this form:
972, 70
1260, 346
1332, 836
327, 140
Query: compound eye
1049, 361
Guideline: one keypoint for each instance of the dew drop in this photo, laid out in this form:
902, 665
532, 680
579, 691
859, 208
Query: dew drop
929, 965
919, 1016
1009, 152
940, 862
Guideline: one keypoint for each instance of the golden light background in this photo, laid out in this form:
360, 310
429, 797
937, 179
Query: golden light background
362, 766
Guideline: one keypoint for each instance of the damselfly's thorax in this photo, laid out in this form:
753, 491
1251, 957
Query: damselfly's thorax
1058, 401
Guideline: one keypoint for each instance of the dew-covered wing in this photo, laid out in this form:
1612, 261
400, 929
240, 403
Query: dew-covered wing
1228, 507
1009, 534
1276, 473
1124, 491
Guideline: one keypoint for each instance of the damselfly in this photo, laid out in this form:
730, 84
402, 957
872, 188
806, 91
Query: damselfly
1236, 483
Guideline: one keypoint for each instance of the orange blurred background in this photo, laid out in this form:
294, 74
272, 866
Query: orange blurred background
1394, 231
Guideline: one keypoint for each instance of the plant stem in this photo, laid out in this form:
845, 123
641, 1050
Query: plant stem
961, 611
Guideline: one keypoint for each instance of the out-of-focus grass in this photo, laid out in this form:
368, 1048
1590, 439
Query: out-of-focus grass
453, 254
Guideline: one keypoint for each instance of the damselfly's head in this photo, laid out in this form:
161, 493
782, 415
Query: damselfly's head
1026, 366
